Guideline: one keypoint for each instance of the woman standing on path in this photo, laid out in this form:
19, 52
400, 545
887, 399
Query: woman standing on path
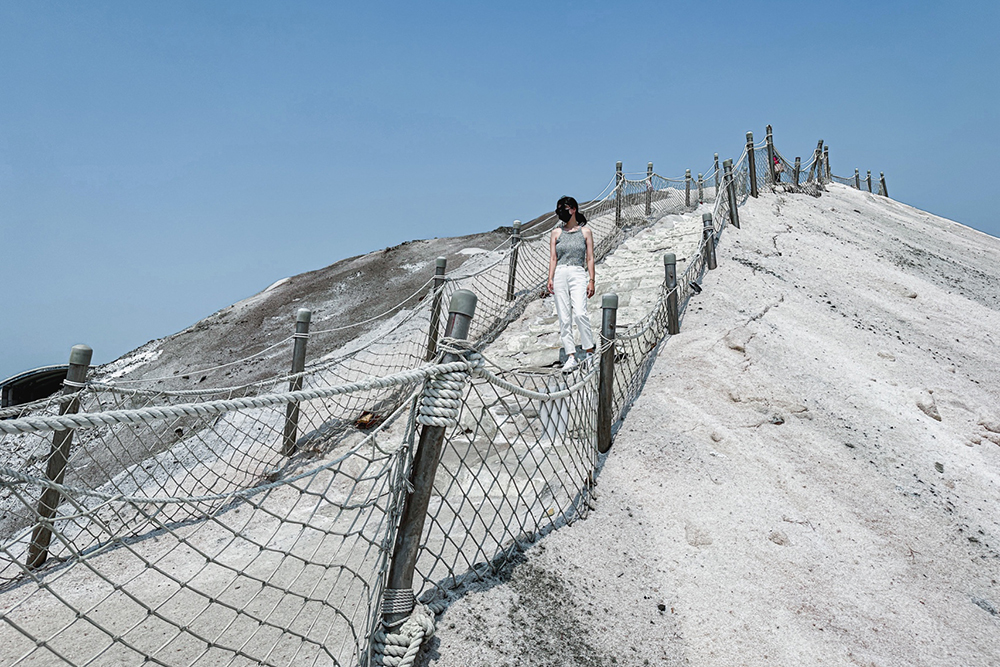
571, 276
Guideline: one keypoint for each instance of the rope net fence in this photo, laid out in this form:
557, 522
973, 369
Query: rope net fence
210, 527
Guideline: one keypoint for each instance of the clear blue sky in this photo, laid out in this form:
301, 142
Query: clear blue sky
162, 160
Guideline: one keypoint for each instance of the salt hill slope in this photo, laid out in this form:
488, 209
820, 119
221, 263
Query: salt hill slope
238, 343
810, 476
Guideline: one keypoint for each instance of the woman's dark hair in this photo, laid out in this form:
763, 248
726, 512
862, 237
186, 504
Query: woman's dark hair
567, 202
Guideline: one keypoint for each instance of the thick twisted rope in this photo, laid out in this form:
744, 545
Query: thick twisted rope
401, 647
53, 423
10, 476
441, 399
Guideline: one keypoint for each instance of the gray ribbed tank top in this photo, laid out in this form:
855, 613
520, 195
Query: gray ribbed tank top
571, 248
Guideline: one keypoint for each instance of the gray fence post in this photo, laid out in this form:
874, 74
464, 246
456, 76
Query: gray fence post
881, 180
673, 312
769, 140
752, 162
302, 318
55, 471
817, 158
619, 192
734, 215
515, 244
701, 190
857, 179
826, 163
717, 176
437, 293
708, 235
649, 189
687, 187
798, 168
425, 463
606, 391
869, 180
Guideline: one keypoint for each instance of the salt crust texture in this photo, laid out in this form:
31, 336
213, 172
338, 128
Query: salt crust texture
811, 475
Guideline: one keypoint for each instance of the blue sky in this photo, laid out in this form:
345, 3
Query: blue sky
162, 160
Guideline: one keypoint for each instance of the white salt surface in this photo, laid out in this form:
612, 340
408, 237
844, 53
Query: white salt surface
810, 476
131, 361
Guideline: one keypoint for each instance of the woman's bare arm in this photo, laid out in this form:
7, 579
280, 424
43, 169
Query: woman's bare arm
589, 237
552, 258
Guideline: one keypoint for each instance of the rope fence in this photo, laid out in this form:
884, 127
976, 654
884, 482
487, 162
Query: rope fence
323, 516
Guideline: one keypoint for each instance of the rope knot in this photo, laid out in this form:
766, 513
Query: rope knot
399, 648
441, 399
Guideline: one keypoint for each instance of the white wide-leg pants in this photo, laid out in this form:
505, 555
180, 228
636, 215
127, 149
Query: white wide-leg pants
570, 292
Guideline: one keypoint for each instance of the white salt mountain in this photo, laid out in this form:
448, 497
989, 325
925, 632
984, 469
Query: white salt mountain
810, 476
812, 472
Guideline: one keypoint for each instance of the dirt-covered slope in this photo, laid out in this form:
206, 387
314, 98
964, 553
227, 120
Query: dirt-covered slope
349, 291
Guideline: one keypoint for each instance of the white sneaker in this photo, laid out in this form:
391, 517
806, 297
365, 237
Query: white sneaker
570, 363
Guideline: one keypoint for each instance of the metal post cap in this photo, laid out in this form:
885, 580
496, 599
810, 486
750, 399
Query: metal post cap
687, 173
749, 136
618, 165
881, 174
517, 224
610, 301
440, 262
727, 164
303, 315
670, 258
463, 302
649, 165
699, 175
80, 355
706, 218
716, 156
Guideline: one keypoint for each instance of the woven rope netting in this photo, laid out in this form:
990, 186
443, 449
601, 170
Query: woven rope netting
188, 532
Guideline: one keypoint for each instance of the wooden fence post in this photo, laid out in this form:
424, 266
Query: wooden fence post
701, 190
752, 162
708, 236
717, 176
734, 215
881, 180
775, 177
687, 187
817, 158
619, 192
869, 180
515, 244
857, 179
55, 470
425, 464
649, 189
606, 391
673, 311
798, 168
437, 293
301, 336
826, 163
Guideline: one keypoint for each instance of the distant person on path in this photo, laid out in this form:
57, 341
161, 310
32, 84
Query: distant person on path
778, 168
571, 276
